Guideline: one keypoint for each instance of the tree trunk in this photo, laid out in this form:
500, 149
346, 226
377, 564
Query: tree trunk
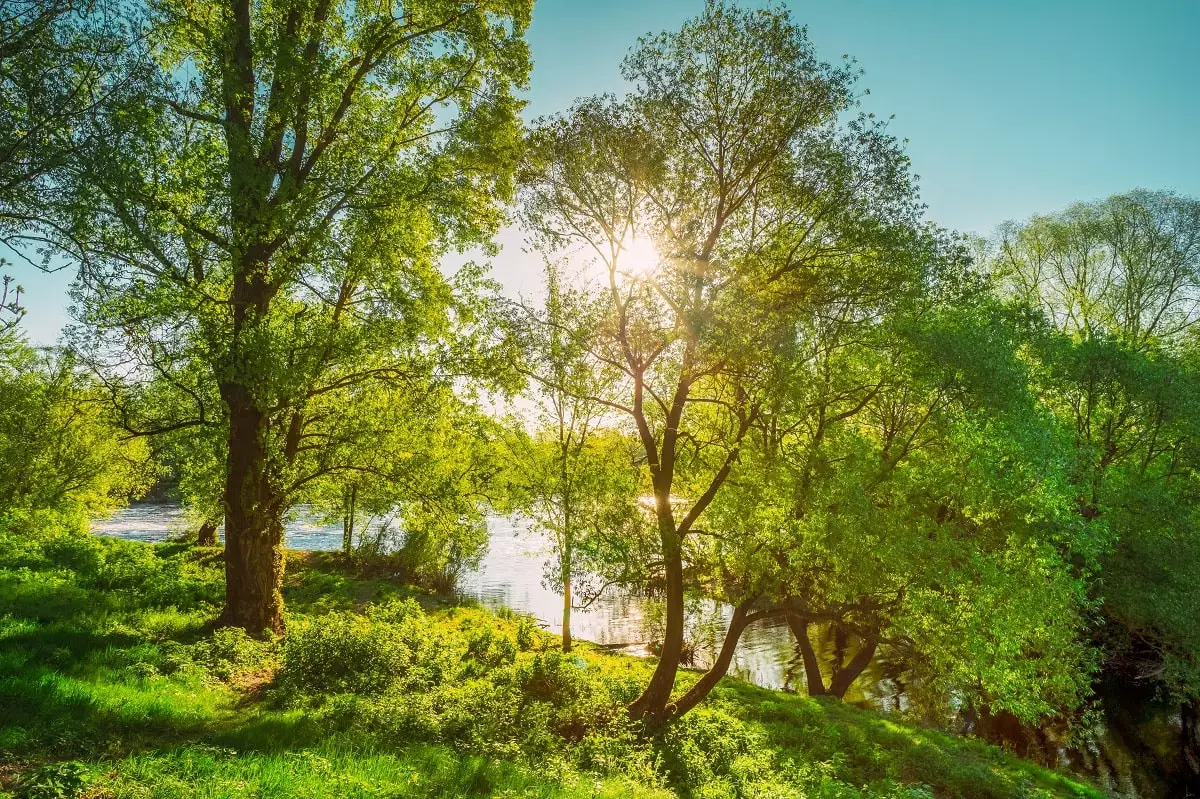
207, 535
651, 706
566, 633
842, 681
254, 558
840, 646
348, 520
720, 667
812, 667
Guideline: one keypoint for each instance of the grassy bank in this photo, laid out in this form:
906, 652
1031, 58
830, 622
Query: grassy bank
112, 685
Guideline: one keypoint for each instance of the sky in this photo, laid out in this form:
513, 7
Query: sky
1010, 108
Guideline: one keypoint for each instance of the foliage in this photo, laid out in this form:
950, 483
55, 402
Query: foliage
421, 482
783, 232
53, 781
577, 476
61, 61
61, 458
1115, 284
265, 241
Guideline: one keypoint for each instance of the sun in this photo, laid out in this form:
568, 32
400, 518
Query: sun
638, 257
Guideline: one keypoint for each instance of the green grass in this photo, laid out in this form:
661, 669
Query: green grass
113, 685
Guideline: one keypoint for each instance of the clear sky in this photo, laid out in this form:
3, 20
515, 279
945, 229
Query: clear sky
1011, 107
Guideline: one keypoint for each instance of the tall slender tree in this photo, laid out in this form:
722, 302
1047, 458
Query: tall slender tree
575, 476
724, 203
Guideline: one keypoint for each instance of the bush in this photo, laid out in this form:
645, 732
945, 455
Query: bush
230, 652
347, 653
711, 746
53, 781
487, 649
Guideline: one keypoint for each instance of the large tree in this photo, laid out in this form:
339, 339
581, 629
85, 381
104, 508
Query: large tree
725, 203
276, 208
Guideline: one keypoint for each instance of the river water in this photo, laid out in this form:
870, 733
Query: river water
510, 575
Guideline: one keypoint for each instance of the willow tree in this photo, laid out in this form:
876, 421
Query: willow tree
275, 208
723, 203
903, 490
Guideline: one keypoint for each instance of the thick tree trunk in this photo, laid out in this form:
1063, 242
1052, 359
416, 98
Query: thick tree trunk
254, 558
207, 535
254, 504
812, 667
842, 681
651, 706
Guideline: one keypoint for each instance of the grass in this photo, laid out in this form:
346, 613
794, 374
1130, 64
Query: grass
113, 685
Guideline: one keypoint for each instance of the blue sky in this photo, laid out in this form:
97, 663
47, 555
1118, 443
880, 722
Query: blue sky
1011, 108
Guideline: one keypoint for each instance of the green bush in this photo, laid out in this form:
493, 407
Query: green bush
704, 746
230, 652
53, 781
487, 649
344, 652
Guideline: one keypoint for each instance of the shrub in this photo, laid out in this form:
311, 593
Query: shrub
704, 745
487, 649
230, 652
347, 653
53, 781
79, 553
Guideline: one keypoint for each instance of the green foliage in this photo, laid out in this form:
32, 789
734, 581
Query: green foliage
768, 266
229, 652
65, 780
61, 457
267, 242
349, 653
1112, 286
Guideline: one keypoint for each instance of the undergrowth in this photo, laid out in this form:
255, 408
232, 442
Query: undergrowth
113, 684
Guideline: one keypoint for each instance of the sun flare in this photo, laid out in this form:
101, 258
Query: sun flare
638, 257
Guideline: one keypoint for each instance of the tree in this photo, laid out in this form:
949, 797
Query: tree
421, 476
901, 487
725, 204
61, 458
61, 61
275, 208
576, 477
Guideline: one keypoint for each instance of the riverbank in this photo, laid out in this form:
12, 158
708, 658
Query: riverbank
114, 686
510, 576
